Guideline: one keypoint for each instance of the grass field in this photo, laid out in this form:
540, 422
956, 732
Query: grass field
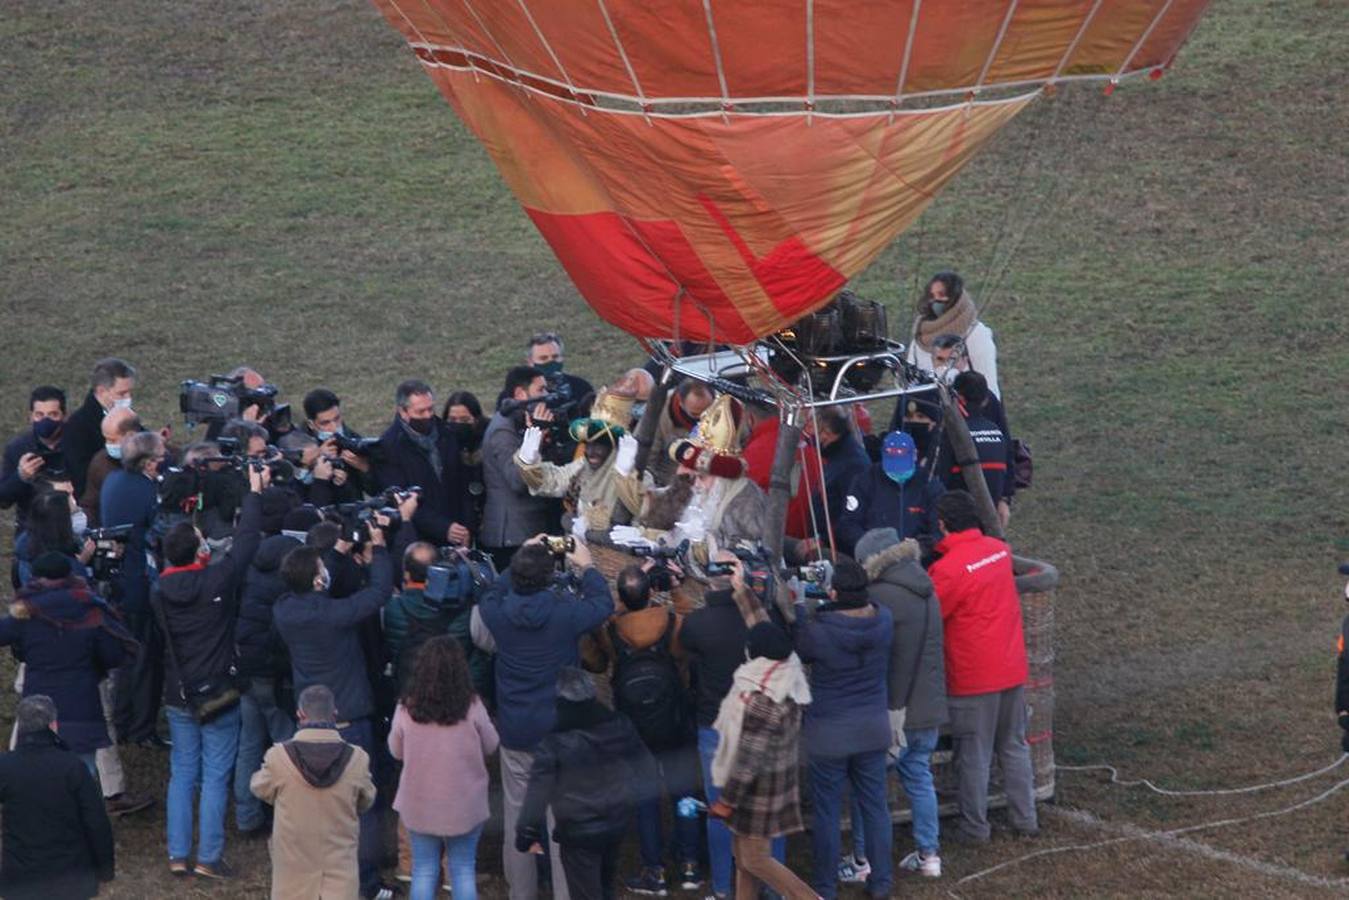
195, 186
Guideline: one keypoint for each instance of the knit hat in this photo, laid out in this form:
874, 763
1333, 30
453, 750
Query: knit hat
927, 403
850, 584
51, 565
714, 448
767, 639
610, 415
575, 685
875, 541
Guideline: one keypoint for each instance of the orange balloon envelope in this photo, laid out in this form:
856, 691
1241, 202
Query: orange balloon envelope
715, 171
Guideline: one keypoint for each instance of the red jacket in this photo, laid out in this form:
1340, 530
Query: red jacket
981, 614
759, 452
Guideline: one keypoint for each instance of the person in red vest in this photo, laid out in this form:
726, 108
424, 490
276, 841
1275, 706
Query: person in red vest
805, 475
986, 668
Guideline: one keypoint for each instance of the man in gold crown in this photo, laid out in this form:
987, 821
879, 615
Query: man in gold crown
710, 501
588, 483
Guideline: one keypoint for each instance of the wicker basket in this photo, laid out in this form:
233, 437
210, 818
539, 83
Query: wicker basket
610, 560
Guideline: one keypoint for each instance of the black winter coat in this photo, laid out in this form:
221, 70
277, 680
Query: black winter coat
588, 772
713, 637
445, 499
81, 438
14, 491
70, 641
200, 605
57, 838
262, 653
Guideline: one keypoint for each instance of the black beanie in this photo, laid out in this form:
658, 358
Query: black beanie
301, 518
51, 565
850, 583
766, 639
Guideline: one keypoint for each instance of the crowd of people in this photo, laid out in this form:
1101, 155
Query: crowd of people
335, 632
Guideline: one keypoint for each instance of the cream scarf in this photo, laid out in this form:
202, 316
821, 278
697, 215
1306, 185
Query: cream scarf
779, 679
959, 319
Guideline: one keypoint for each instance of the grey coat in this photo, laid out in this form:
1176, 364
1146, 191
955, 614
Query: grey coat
512, 515
899, 584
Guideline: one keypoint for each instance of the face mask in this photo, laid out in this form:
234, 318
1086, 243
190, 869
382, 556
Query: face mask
325, 436
899, 456
79, 523
549, 369
114, 450
462, 431
325, 581
421, 426
939, 307
46, 429
124, 403
638, 410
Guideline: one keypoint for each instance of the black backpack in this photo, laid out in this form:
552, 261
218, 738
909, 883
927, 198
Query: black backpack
648, 691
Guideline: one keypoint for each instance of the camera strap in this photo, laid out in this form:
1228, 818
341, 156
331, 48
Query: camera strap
156, 605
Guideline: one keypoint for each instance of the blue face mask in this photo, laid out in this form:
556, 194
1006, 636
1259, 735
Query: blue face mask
549, 369
325, 436
46, 429
899, 457
114, 450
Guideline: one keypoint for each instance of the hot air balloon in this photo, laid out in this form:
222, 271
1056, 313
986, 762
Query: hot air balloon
716, 170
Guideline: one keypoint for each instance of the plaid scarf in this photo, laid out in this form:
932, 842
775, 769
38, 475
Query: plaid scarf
93, 612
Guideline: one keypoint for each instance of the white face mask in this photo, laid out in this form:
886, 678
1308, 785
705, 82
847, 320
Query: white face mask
123, 403
79, 523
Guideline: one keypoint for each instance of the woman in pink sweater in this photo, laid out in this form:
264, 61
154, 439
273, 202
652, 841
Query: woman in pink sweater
443, 735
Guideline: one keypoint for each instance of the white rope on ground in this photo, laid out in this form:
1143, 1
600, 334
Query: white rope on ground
1156, 836
1167, 792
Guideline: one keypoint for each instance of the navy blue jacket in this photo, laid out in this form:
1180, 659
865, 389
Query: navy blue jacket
14, 491
445, 500
996, 457
129, 498
323, 636
70, 641
536, 635
262, 653
849, 660
876, 501
844, 460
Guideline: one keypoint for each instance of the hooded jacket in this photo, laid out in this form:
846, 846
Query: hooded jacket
69, 641
981, 611
57, 838
410, 606
262, 653
199, 604
848, 653
322, 634
917, 669
536, 635
588, 771
319, 785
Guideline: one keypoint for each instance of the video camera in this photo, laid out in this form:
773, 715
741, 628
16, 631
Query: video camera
559, 545
220, 398
357, 519
361, 446
109, 549
661, 576
457, 574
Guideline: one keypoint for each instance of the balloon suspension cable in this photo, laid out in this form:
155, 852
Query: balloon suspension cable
824, 494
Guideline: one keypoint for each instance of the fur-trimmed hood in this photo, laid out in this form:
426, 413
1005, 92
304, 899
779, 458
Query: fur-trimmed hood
898, 564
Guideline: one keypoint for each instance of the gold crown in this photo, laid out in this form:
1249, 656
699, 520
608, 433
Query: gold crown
718, 428
611, 413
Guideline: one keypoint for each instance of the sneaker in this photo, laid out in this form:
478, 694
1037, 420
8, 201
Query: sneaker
125, 804
918, 864
689, 877
179, 868
852, 870
216, 871
715, 896
650, 882
383, 891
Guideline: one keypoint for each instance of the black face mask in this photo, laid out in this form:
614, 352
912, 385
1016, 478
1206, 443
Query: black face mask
921, 434
462, 431
421, 426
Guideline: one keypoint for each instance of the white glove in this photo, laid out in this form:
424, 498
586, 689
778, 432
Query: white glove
897, 740
627, 455
696, 532
628, 536
529, 447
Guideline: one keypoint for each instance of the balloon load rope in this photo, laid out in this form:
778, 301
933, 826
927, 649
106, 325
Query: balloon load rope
1135, 834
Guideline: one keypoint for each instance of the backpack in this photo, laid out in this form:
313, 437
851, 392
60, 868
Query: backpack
648, 691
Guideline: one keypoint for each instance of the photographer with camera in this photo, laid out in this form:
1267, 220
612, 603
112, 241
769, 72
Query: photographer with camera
116, 426
418, 449
196, 605
347, 453
534, 624
41, 447
110, 388
130, 497
512, 513
323, 635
